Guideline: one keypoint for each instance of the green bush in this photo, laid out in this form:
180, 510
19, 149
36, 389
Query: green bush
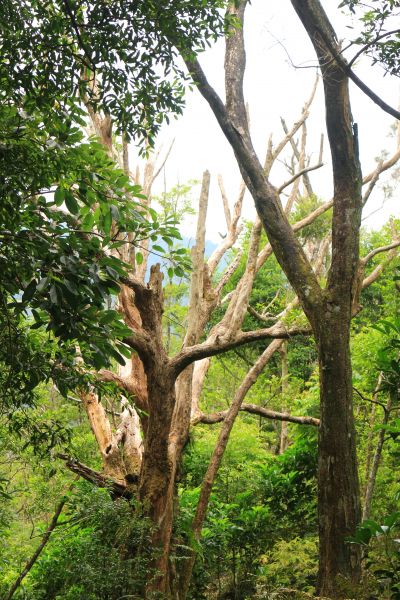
100, 552
290, 564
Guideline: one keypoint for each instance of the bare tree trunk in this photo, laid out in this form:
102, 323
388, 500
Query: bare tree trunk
338, 493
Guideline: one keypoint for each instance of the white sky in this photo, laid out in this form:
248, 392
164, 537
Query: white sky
274, 88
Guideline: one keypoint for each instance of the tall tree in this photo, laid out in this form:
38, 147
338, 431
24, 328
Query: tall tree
328, 309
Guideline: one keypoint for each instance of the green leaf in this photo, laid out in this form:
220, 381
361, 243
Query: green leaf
59, 196
118, 357
88, 222
29, 291
42, 284
107, 222
139, 258
71, 203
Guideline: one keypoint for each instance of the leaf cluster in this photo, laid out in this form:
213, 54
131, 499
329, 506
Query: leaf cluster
121, 56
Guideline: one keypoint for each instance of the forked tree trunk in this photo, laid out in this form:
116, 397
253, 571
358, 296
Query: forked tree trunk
329, 309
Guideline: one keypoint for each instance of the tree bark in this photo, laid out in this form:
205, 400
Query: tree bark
338, 492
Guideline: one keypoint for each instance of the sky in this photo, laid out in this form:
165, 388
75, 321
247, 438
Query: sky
279, 77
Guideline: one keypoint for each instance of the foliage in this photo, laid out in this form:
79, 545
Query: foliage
379, 36
381, 546
87, 556
389, 356
292, 563
53, 51
288, 486
70, 274
318, 228
257, 500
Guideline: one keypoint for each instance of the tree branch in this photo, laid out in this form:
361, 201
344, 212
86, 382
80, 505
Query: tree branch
284, 243
75, 26
254, 409
116, 489
371, 43
343, 142
274, 153
188, 355
52, 525
376, 251
299, 174
363, 87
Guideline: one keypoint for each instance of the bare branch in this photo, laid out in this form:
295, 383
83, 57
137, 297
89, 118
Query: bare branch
290, 254
375, 274
372, 182
162, 165
233, 230
193, 353
296, 126
299, 174
257, 410
115, 488
224, 201
227, 274
376, 251
385, 166
261, 317
224, 434
197, 281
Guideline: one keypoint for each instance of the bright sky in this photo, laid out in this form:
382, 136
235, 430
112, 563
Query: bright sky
275, 88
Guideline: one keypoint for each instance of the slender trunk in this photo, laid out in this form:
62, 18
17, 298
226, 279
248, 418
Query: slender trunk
38, 550
338, 490
284, 441
216, 459
369, 449
375, 463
